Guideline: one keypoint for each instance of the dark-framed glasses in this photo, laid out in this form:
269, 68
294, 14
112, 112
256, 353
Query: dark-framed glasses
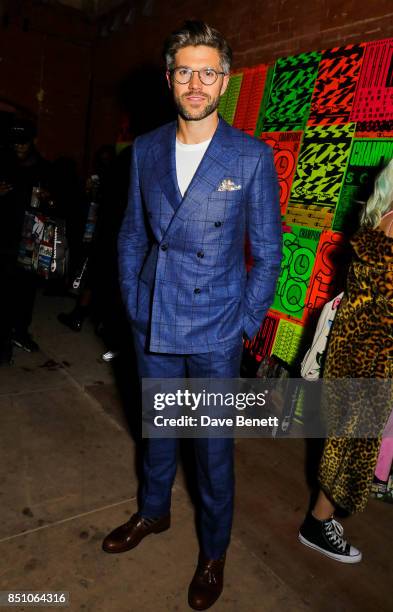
183, 75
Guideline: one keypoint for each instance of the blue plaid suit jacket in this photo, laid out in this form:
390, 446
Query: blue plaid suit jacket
181, 260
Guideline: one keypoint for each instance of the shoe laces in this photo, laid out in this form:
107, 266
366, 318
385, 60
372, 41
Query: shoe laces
147, 521
209, 576
136, 519
208, 570
335, 531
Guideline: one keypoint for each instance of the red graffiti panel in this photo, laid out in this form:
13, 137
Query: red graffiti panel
328, 274
334, 88
261, 345
286, 146
373, 104
250, 97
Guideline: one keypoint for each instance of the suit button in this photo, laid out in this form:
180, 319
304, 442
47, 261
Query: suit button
200, 254
197, 290
164, 247
217, 224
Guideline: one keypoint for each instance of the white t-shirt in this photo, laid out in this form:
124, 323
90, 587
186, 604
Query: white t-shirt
188, 158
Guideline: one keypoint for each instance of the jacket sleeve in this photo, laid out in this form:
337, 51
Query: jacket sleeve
133, 242
265, 237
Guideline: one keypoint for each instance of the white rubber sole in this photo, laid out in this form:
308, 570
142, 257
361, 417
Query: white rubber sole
340, 558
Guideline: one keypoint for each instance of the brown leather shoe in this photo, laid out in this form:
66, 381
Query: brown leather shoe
207, 584
129, 535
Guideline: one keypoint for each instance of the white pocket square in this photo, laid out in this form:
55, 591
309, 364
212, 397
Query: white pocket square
228, 185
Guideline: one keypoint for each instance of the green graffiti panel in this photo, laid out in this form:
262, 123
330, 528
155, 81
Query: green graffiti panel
228, 102
290, 94
321, 164
299, 251
287, 341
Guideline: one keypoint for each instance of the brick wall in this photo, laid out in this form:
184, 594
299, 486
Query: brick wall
259, 32
45, 68
49, 57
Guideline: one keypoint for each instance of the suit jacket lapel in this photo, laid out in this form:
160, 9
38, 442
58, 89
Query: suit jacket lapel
165, 157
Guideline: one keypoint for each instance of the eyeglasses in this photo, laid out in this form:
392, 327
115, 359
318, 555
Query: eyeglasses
207, 76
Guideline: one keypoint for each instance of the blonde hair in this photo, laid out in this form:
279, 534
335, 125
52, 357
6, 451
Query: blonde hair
381, 200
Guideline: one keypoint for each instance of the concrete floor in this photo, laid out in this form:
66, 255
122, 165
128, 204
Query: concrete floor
68, 476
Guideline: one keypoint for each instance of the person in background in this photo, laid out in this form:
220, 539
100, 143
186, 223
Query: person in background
360, 346
97, 240
70, 205
28, 190
110, 311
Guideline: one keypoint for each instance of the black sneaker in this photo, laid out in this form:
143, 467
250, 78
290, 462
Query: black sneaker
327, 537
25, 342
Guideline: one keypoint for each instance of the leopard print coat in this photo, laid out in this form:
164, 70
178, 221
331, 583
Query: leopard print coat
360, 346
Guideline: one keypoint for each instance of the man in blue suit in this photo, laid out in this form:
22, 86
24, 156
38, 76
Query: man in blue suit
197, 187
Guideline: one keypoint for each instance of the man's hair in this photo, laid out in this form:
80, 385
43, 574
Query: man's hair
194, 33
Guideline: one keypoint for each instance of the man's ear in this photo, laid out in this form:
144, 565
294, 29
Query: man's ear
168, 79
224, 85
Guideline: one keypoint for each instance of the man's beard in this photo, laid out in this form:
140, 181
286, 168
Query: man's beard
208, 110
